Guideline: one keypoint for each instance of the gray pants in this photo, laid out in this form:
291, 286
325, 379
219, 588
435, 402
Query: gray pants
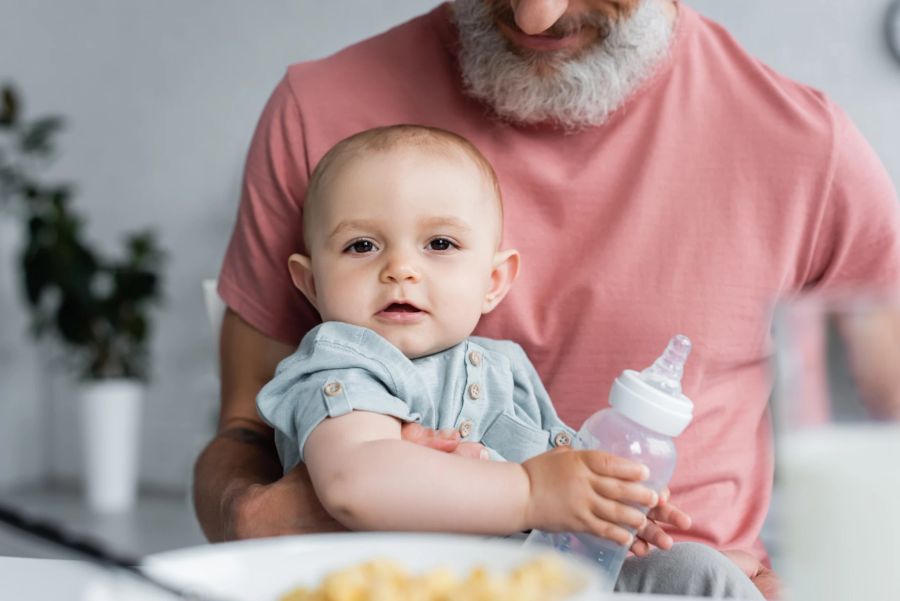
686, 569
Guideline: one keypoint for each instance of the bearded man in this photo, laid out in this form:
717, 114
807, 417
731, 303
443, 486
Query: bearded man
657, 179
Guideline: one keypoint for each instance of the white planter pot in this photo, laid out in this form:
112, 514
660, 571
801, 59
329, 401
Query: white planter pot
110, 427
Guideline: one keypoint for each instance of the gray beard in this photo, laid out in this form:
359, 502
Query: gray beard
573, 92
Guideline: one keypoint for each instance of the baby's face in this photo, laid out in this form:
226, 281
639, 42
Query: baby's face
405, 243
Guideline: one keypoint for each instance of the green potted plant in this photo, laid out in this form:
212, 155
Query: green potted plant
97, 308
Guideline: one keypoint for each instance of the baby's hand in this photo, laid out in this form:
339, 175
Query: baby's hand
587, 491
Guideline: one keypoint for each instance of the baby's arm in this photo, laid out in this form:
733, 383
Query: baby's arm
369, 479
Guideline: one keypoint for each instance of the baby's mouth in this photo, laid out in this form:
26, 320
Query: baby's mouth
401, 308
401, 313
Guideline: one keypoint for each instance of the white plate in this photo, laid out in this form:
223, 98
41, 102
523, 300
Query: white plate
263, 570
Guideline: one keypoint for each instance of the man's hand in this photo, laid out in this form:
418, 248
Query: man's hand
587, 491
447, 440
652, 534
286, 506
764, 578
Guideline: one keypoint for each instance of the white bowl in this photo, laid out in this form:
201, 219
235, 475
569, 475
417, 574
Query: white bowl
265, 569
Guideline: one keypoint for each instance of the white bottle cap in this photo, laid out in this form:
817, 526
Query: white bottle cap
640, 402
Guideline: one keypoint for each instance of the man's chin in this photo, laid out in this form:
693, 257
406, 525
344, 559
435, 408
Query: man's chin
547, 64
576, 86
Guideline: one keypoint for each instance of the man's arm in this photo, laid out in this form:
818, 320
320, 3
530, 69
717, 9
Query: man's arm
238, 489
872, 340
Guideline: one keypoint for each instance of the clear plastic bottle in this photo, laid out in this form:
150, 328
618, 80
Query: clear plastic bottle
647, 411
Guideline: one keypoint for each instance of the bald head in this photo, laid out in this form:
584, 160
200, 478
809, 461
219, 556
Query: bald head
421, 140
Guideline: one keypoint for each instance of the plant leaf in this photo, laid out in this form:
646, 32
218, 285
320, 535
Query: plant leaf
37, 266
38, 135
9, 107
74, 320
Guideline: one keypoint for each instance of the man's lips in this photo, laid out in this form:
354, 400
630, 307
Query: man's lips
540, 43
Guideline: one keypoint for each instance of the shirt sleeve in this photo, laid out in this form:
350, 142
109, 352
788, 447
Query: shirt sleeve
327, 377
858, 241
254, 280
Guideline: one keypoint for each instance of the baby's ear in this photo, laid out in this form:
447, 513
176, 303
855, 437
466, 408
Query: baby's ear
504, 272
300, 267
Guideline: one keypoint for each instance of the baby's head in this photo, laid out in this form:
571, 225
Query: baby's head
402, 227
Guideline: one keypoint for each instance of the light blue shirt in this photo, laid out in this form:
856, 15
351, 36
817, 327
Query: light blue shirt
486, 389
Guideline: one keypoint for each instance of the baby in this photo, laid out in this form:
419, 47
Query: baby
403, 228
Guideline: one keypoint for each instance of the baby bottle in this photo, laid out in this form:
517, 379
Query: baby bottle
647, 411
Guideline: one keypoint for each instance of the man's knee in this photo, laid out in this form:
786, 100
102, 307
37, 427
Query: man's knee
687, 569
702, 559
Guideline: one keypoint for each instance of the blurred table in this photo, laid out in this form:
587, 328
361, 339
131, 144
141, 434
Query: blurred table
31, 579
159, 522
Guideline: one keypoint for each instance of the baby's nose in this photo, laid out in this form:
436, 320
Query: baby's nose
399, 268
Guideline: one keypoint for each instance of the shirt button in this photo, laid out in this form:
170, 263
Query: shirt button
562, 440
474, 392
333, 389
465, 428
475, 358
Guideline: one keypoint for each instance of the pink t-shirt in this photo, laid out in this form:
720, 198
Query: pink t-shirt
718, 187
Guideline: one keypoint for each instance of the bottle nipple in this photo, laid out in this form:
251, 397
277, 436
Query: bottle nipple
666, 372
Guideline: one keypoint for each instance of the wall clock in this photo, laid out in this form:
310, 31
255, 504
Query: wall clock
893, 28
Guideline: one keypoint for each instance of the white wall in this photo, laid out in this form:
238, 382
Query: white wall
161, 99
22, 455
837, 46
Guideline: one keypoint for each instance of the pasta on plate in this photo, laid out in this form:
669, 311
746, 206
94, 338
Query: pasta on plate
544, 578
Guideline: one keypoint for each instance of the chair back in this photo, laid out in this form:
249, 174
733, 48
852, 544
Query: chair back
215, 311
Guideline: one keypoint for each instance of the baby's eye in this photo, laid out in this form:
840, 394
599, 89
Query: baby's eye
360, 247
440, 244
